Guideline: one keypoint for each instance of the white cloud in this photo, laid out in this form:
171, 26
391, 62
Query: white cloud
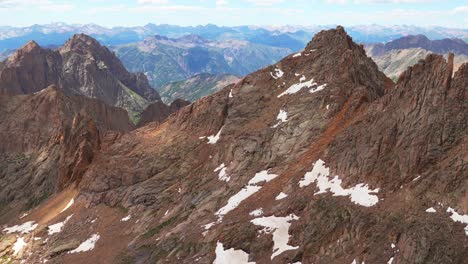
222, 2
152, 2
264, 2
461, 10
378, 1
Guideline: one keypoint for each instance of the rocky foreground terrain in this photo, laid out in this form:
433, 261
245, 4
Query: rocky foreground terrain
319, 158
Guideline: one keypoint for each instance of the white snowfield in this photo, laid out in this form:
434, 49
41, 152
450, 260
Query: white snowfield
277, 74
23, 228
18, 246
214, 138
359, 194
222, 175
57, 228
125, 219
279, 226
87, 245
245, 192
230, 256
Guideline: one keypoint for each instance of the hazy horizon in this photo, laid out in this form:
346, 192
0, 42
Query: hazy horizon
129, 13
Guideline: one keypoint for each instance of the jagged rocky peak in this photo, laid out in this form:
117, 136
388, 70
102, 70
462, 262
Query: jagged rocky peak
81, 42
334, 39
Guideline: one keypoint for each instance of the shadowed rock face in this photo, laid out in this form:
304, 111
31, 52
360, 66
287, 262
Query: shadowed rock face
158, 111
81, 66
342, 163
48, 140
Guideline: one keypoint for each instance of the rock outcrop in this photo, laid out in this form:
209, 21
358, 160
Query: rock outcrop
48, 141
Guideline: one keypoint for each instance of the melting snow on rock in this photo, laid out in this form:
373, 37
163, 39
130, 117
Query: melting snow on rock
57, 228
222, 175
302, 84
23, 228
277, 74
18, 246
282, 117
125, 219
456, 217
245, 192
359, 194
214, 138
69, 204
280, 196
257, 212
87, 245
279, 226
230, 256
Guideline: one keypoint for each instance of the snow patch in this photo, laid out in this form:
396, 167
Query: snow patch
245, 193
18, 246
69, 204
318, 88
280, 196
23, 215
23, 228
302, 79
230, 94
237, 198
456, 217
57, 228
390, 261
125, 219
257, 212
431, 210
279, 226
297, 55
214, 138
303, 84
222, 175
262, 176
87, 245
359, 194
281, 117
277, 74
230, 256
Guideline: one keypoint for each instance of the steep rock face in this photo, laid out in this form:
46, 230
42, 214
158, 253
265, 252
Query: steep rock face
82, 66
319, 158
48, 140
158, 112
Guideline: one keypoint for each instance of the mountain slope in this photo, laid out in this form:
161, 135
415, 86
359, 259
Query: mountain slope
319, 158
166, 60
82, 66
195, 87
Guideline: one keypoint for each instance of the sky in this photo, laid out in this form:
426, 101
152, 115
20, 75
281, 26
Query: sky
447, 13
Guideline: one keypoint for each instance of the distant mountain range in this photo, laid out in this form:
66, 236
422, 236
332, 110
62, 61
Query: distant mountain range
291, 37
396, 56
166, 60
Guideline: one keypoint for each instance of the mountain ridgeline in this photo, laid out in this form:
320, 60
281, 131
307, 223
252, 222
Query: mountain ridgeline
318, 158
81, 66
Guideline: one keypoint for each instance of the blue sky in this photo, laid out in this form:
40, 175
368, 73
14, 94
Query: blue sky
236, 12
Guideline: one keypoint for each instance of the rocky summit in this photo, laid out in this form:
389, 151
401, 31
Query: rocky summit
81, 66
319, 158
